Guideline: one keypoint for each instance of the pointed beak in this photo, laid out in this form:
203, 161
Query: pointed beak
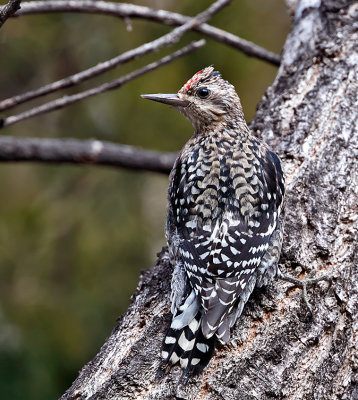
170, 99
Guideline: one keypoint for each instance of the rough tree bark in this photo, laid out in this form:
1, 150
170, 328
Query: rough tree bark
309, 116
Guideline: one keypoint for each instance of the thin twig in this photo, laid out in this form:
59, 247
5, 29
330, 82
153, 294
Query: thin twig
115, 84
8, 10
155, 45
93, 152
124, 10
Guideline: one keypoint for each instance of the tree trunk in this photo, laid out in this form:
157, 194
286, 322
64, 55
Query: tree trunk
279, 350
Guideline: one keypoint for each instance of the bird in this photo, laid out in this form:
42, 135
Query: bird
224, 224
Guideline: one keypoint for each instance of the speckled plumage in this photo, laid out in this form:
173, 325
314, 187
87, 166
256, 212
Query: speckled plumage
224, 227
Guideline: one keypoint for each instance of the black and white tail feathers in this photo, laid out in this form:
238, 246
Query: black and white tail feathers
184, 343
187, 341
187, 347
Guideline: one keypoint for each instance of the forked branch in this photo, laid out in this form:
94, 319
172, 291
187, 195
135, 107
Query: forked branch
165, 40
65, 101
126, 10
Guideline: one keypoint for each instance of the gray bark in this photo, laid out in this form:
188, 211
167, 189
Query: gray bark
279, 351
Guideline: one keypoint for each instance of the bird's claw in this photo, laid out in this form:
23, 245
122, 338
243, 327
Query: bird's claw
304, 283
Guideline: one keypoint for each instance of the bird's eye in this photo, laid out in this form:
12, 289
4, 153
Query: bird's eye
203, 92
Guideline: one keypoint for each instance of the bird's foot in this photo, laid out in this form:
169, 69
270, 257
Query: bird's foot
304, 283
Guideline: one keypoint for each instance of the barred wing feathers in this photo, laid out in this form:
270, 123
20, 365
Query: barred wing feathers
221, 258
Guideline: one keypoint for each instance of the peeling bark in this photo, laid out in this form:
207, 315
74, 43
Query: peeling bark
279, 351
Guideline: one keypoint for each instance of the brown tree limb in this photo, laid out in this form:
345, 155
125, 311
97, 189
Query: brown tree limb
115, 84
9, 10
165, 40
87, 74
310, 117
88, 152
125, 10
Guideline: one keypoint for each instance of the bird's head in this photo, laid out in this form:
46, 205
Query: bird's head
206, 100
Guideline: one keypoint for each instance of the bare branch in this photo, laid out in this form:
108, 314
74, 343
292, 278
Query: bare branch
146, 48
82, 76
124, 10
115, 84
8, 10
93, 152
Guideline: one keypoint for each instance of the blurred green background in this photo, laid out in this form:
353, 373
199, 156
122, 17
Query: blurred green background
73, 239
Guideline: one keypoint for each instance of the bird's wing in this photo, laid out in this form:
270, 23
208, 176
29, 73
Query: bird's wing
221, 261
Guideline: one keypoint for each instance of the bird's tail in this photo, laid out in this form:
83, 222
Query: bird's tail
186, 345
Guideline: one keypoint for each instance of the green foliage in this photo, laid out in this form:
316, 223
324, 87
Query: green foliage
73, 239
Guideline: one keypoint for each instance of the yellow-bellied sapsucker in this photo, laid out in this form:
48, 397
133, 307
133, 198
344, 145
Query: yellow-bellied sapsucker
224, 225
